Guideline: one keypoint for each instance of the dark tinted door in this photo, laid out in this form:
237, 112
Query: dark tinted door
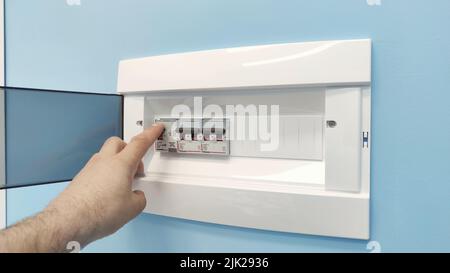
50, 135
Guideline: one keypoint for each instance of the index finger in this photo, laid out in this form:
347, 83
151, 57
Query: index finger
139, 145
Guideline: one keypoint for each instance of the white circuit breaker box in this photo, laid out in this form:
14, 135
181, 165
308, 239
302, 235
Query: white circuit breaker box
271, 137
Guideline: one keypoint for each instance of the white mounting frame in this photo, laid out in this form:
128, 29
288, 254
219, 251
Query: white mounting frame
2, 119
343, 68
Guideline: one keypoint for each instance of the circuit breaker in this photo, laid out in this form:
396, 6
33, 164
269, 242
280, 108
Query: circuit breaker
194, 136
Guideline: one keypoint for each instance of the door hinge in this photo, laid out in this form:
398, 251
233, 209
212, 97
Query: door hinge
365, 139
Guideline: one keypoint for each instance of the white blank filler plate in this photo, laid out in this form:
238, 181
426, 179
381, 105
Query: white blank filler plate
316, 182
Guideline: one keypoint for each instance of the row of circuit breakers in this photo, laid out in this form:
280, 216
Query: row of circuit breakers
194, 136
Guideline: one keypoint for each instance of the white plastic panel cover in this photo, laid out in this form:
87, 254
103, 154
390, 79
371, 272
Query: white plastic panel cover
315, 181
310, 63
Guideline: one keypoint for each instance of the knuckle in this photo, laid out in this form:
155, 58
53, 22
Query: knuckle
142, 201
125, 162
143, 204
114, 141
138, 139
95, 157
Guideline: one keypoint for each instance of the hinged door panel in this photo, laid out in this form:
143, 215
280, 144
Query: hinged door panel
50, 135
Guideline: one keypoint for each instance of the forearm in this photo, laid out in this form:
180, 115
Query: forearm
49, 231
97, 203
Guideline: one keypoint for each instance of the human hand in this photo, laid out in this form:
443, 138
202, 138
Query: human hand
100, 200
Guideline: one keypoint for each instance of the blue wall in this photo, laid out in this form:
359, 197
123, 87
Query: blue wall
53, 45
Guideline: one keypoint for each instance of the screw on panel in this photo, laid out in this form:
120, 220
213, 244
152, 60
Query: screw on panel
331, 123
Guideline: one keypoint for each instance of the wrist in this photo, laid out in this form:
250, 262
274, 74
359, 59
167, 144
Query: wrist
71, 221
